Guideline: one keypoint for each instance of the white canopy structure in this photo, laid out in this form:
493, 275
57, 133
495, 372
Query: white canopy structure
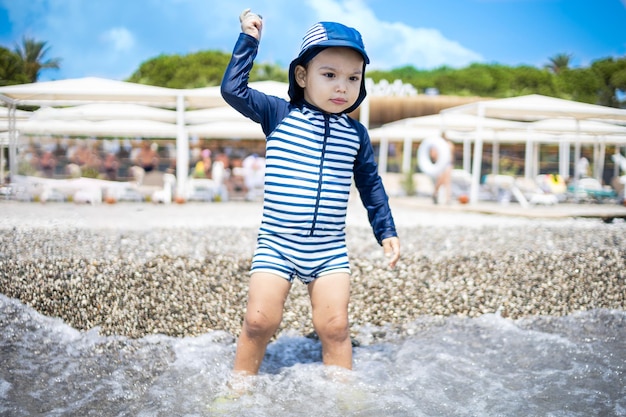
222, 122
208, 97
215, 114
533, 107
456, 127
243, 129
6, 123
97, 90
109, 107
120, 127
117, 108
89, 90
105, 111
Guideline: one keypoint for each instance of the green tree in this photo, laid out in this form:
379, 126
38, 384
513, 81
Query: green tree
559, 63
33, 56
266, 71
200, 69
11, 68
476, 79
612, 75
579, 84
531, 80
159, 71
619, 81
502, 78
603, 83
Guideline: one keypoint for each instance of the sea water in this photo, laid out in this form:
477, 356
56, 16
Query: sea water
487, 366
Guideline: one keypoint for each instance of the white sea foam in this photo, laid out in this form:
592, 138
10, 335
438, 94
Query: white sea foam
567, 366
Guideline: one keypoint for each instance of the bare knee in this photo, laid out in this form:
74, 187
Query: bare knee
336, 329
258, 325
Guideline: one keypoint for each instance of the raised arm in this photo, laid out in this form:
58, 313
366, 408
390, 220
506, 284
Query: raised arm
253, 104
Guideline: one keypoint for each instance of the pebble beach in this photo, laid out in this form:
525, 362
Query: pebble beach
182, 270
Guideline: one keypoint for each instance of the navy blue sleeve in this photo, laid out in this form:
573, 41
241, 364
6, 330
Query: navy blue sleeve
257, 106
371, 189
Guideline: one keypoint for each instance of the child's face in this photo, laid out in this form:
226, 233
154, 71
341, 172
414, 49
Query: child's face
332, 79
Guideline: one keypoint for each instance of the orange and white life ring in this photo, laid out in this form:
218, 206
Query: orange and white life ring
424, 161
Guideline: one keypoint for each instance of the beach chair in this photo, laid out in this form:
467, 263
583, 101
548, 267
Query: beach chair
591, 190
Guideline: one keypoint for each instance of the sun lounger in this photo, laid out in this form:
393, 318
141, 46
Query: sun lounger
590, 189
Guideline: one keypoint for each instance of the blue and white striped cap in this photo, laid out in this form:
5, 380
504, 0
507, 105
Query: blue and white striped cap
314, 35
323, 35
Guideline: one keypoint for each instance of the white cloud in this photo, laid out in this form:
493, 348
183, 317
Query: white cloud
395, 44
121, 39
72, 27
420, 47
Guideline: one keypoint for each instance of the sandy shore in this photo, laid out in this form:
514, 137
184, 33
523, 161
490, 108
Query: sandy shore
137, 269
146, 216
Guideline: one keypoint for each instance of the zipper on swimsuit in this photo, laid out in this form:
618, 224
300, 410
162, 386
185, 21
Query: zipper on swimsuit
320, 178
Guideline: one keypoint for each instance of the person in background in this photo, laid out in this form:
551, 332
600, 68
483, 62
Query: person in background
204, 166
254, 173
111, 166
445, 177
48, 164
147, 157
79, 154
582, 168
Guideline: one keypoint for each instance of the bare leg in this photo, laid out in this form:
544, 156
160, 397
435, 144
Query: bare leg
447, 182
330, 295
436, 190
444, 180
266, 299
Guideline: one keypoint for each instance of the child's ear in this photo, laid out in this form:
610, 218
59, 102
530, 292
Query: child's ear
300, 75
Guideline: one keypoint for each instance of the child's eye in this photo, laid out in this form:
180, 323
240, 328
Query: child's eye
329, 75
355, 78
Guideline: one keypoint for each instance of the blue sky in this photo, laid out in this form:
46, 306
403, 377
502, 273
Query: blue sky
111, 38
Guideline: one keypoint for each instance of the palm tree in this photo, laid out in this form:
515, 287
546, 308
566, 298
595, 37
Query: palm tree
11, 68
559, 62
32, 53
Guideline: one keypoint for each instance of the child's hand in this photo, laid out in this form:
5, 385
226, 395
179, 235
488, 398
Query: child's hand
391, 246
251, 24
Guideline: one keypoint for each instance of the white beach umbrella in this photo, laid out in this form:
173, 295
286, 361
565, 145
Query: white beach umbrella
106, 111
104, 128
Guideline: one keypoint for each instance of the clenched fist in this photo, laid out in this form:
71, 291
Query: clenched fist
251, 24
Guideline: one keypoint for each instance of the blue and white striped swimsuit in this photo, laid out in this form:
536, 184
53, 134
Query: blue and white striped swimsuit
311, 159
309, 164
302, 257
